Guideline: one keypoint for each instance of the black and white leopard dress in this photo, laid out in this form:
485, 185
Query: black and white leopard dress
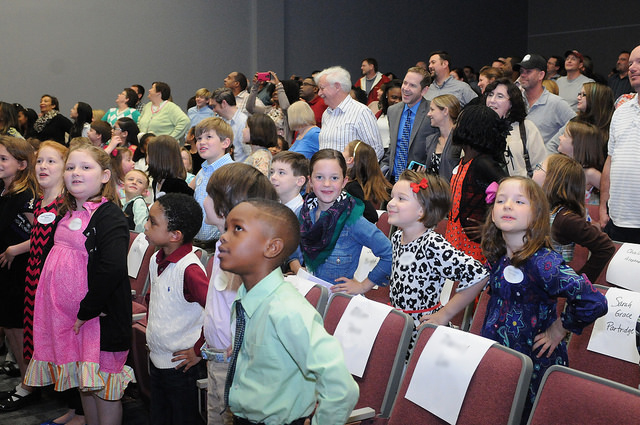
420, 269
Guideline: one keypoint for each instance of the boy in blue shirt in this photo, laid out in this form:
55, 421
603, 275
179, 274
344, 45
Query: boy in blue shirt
283, 360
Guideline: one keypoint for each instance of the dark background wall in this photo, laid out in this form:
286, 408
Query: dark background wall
398, 34
90, 50
595, 28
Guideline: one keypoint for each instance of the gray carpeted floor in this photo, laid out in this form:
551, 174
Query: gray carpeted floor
49, 406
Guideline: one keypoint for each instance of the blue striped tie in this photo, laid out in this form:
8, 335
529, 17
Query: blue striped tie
402, 149
237, 342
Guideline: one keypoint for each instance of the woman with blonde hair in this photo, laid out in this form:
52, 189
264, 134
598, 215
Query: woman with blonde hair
442, 156
303, 121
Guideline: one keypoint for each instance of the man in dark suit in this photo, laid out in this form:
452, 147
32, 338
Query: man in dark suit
409, 125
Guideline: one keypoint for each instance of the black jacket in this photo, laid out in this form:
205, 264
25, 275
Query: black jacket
109, 288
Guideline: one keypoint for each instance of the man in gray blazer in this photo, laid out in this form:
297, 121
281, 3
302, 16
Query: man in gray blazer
409, 125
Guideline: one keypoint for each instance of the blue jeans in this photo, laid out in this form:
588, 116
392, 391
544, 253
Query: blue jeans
174, 395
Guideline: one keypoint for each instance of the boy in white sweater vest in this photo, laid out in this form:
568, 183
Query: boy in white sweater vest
176, 310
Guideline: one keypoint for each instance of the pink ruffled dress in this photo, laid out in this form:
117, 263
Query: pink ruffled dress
60, 356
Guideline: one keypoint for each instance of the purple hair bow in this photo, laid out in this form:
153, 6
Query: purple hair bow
491, 191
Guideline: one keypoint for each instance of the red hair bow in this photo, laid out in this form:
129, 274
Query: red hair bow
417, 186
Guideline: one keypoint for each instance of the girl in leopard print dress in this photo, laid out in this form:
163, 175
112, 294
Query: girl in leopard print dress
422, 258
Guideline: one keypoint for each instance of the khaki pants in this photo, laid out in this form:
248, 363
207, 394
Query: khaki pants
217, 374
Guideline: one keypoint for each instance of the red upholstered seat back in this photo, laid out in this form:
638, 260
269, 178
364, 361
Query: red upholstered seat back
381, 378
570, 397
496, 393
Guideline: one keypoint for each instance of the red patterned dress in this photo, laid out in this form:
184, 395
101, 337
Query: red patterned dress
41, 233
469, 207
455, 233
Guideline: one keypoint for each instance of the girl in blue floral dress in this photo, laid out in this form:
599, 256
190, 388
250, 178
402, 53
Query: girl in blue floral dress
527, 277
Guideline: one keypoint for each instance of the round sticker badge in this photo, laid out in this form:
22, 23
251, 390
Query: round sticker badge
513, 274
407, 258
75, 224
46, 218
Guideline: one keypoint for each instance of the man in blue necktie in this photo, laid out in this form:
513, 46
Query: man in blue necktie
409, 125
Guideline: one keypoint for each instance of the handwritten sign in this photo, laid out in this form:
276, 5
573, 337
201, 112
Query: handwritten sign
357, 330
136, 254
450, 358
302, 285
624, 267
614, 334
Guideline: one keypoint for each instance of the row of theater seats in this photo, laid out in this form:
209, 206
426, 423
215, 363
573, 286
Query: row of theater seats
496, 392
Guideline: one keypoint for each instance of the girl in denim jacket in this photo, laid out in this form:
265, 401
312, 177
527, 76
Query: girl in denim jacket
333, 230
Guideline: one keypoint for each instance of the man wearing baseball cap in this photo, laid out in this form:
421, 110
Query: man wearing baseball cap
547, 111
570, 85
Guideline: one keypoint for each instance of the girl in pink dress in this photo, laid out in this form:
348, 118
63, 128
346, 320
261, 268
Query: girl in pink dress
82, 320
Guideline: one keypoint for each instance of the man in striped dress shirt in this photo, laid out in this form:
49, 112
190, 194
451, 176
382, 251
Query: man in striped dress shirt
345, 119
619, 188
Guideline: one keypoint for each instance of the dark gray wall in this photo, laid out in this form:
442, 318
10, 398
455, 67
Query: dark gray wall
400, 33
89, 50
595, 28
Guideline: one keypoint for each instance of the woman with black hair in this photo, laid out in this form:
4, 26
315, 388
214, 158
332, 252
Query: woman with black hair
391, 94
51, 124
125, 107
482, 135
525, 146
124, 133
82, 115
26, 119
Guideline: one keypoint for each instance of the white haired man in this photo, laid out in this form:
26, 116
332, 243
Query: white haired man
345, 119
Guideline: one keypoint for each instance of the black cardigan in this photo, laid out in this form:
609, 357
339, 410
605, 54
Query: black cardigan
55, 129
109, 288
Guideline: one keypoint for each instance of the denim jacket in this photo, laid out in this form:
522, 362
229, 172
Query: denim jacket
345, 257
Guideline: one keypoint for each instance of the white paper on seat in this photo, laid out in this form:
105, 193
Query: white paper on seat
445, 294
136, 254
448, 361
624, 267
302, 273
366, 263
357, 330
614, 334
302, 285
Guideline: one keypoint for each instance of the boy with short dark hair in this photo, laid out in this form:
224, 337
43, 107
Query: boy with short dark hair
283, 360
289, 173
176, 310
100, 133
214, 138
227, 187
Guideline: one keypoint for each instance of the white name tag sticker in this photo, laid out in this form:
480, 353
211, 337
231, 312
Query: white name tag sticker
46, 218
448, 360
614, 334
357, 331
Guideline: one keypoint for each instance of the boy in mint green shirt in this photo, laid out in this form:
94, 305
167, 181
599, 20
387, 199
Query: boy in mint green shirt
283, 361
